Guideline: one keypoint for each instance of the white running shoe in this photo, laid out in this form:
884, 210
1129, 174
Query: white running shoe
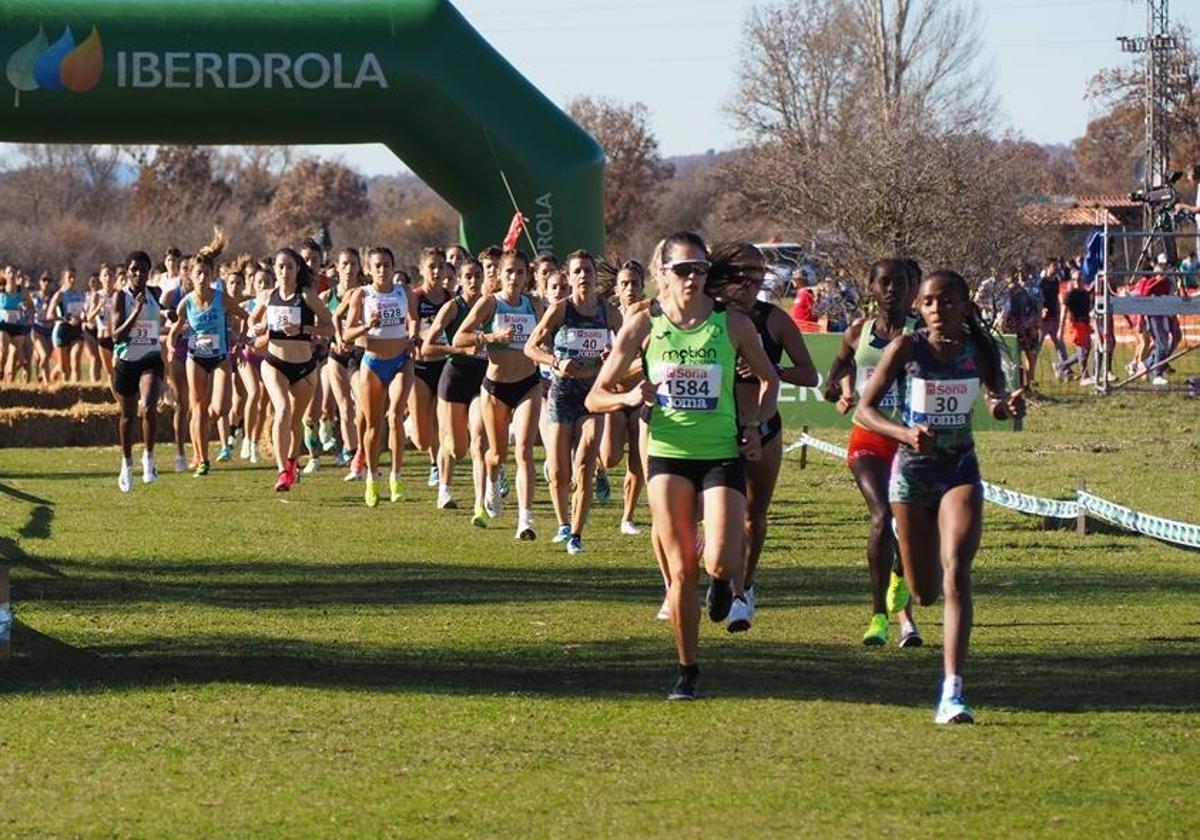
492, 502
254, 453
740, 616
325, 434
125, 479
149, 469
629, 529
434, 478
181, 464
1086, 382
444, 500
561, 535
525, 528
246, 444
311, 467
954, 710
664, 612
1160, 380
355, 475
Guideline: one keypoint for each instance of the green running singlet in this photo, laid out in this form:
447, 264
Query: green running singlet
694, 415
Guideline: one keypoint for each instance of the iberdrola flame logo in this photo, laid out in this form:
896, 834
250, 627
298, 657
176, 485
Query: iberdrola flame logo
40, 65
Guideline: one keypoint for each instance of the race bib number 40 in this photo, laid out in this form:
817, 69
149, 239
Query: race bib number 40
586, 343
521, 325
942, 403
690, 387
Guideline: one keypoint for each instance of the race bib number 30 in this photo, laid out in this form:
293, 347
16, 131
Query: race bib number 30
690, 387
585, 343
942, 403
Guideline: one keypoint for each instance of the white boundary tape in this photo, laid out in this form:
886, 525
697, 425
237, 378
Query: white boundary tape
1167, 530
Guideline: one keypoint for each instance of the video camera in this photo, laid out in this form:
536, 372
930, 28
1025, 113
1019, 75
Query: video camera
1160, 198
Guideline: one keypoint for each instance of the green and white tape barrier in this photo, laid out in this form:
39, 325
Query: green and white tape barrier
1167, 530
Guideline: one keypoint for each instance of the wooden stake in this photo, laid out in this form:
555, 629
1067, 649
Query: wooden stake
804, 449
1081, 517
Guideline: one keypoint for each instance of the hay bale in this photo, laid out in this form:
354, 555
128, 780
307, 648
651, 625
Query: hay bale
81, 425
57, 396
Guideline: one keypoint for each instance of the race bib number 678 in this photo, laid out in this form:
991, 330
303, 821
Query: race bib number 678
689, 387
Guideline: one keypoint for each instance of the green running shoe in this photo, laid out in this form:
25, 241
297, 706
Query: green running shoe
603, 490
480, 519
372, 494
954, 709
202, 469
877, 631
395, 488
897, 594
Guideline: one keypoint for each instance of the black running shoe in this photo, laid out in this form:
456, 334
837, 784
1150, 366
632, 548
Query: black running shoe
687, 686
718, 599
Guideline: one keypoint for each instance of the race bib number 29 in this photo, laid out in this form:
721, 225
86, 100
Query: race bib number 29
690, 387
942, 403
521, 325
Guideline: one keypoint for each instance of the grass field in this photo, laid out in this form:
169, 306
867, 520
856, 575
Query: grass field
206, 658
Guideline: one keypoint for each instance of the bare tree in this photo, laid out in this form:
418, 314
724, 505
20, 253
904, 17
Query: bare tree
635, 166
922, 57
898, 162
314, 192
798, 72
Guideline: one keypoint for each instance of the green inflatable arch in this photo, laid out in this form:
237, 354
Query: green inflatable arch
412, 74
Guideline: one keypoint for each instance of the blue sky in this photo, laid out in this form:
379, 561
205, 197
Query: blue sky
680, 58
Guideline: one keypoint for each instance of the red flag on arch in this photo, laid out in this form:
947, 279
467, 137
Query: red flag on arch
513, 237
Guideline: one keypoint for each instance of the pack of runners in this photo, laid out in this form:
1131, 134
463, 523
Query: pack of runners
482, 354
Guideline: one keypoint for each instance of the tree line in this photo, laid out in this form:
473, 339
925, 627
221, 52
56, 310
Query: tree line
867, 128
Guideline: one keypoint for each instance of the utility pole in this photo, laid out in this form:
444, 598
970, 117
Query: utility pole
1157, 45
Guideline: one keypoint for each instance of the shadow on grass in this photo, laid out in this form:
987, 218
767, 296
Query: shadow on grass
1141, 678
21, 495
231, 584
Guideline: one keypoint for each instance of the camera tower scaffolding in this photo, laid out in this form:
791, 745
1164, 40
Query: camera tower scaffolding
1157, 45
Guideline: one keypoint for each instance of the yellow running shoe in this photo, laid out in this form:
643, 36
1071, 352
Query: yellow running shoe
480, 519
877, 631
897, 594
371, 494
397, 490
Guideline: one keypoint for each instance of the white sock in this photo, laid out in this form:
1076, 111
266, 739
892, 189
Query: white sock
444, 488
952, 686
394, 476
908, 627
526, 515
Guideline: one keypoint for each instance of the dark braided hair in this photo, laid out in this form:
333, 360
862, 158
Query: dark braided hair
736, 266
976, 329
